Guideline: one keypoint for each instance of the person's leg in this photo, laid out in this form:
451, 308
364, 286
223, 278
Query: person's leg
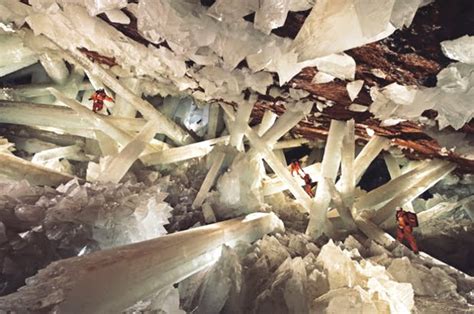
399, 235
411, 240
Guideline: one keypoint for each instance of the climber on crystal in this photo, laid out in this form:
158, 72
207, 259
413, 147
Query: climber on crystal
307, 184
296, 167
98, 100
406, 222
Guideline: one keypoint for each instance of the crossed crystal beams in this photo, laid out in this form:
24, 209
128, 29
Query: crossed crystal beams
105, 282
370, 210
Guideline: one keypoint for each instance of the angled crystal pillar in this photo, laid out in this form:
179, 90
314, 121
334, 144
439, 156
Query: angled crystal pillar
119, 164
383, 194
181, 153
286, 122
405, 196
68, 152
110, 281
122, 107
170, 128
55, 67
209, 179
341, 207
280, 170
373, 232
237, 128
329, 169
214, 111
394, 171
268, 119
347, 181
370, 151
19, 169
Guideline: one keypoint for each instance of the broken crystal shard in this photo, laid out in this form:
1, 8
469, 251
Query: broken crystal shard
316, 38
208, 213
271, 14
403, 12
460, 49
64, 284
329, 169
117, 16
338, 65
322, 78
357, 108
353, 89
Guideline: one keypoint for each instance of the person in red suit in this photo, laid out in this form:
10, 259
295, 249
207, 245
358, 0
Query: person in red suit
307, 184
296, 167
98, 100
406, 222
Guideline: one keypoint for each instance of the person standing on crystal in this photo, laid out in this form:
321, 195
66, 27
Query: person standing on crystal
307, 184
98, 100
406, 222
296, 167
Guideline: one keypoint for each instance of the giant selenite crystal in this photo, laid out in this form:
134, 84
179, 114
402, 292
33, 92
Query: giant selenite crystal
357, 22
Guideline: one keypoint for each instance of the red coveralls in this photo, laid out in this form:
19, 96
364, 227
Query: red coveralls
295, 167
307, 185
405, 231
98, 100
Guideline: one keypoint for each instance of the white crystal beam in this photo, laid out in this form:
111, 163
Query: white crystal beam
405, 196
209, 179
19, 169
111, 280
268, 119
118, 166
341, 207
237, 129
347, 165
214, 110
285, 123
58, 117
280, 170
394, 171
329, 169
391, 189
71, 152
368, 154
182, 153
119, 135
169, 127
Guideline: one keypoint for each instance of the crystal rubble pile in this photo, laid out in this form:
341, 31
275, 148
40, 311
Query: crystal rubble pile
288, 273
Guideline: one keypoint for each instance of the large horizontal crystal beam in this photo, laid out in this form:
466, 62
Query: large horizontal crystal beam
181, 153
111, 280
442, 208
57, 116
19, 169
119, 135
329, 169
280, 170
423, 184
169, 127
